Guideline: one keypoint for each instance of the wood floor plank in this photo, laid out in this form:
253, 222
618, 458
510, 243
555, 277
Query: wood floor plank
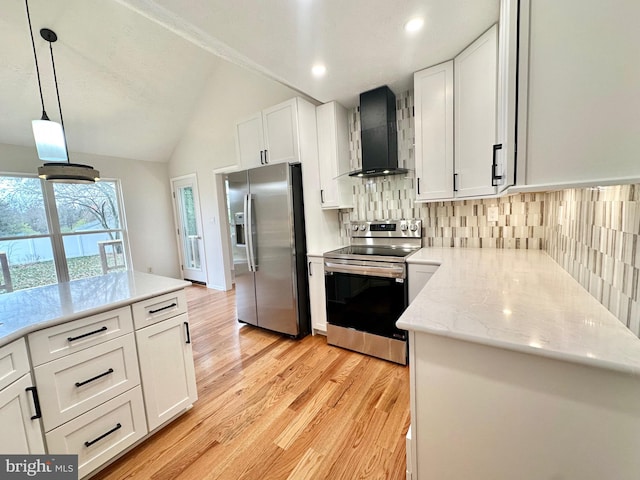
272, 408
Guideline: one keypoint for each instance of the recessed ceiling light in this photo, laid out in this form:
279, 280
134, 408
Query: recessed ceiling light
414, 24
318, 70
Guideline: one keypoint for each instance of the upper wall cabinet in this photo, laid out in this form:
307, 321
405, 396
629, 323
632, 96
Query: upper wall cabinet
333, 156
433, 103
465, 117
579, 98
269, 137
474, 98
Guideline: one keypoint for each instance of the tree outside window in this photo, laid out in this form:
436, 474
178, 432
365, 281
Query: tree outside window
57, 232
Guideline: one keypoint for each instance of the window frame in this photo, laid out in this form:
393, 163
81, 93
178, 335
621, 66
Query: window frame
55, 233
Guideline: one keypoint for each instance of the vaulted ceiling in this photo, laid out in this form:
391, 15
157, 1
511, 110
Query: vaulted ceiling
131, 72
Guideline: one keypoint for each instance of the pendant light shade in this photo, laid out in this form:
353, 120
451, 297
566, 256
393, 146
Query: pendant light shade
68, 173
50, 141
50, 138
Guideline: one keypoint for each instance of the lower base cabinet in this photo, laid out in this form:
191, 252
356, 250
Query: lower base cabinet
102, 432
20, 432
317, 295
166, 369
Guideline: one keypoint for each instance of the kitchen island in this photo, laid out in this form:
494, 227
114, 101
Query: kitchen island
93, 366
518, 372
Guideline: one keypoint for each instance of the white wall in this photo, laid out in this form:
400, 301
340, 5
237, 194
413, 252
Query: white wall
208, 143
147, 203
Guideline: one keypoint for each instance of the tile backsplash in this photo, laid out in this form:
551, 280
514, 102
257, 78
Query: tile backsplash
593, 233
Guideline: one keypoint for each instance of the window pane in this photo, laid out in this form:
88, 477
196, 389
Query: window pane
84, 207
92, 254
21, 207
26, 263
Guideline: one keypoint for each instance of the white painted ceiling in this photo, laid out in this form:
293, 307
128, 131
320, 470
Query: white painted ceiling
131, 72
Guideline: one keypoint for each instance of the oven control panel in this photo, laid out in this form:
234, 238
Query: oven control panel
387, 229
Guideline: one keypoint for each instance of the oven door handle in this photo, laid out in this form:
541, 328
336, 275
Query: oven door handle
396, 271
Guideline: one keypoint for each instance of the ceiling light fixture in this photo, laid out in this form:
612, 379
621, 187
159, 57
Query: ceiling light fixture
318, 70
50, 138
414, 25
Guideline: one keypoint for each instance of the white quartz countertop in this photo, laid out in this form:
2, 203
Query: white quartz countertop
25, 311
520, 300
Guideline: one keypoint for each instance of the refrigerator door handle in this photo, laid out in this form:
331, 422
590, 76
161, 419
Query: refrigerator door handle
251, 257
247, 231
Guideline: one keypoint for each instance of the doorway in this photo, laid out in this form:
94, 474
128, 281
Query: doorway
186, 206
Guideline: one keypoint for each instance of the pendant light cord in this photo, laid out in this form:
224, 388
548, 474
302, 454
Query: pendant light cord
33, 44
55, 80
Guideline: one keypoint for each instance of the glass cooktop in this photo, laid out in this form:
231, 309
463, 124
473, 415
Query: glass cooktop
367, 250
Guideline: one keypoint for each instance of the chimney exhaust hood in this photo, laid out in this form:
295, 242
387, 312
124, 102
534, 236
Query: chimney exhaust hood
378, 136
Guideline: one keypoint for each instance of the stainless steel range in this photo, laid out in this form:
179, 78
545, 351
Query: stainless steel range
367, 290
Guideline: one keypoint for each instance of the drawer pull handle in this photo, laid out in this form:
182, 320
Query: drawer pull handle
36, 402
106, 434
80, 384
167, 307
73, 339
186, 326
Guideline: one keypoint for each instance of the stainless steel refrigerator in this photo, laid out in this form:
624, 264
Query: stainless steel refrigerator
269, 248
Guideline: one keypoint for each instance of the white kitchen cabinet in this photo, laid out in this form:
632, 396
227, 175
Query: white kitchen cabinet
270, 136
465, 117
433, 104
20, 431
419, 274
19, 422
71, 337
76, 383
250, 142
166, 368
474, 97
336, 190
317, 295
578, 102
455, 123
101, 433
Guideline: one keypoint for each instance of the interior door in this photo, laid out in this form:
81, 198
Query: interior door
189, 228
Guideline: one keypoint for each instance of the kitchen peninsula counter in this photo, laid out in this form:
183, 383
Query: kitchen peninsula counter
108, 362
518, 372
25, 311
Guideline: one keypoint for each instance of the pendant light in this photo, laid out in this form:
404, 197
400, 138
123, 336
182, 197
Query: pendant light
50, 138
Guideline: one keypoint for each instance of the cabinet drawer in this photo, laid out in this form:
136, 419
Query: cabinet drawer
14, 362
159, 308
56, 342
76, 383
107, 429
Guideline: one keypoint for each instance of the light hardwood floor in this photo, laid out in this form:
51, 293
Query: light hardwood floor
274, 408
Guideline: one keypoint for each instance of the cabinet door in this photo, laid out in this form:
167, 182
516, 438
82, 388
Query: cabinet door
250, 142
333, 156
281, 132
19, 434
579, 100
433, 90
317, 297
166, 369
507, 90
475, 116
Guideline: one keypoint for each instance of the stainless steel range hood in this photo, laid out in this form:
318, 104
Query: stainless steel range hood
378, 136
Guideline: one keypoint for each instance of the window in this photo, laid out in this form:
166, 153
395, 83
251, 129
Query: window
54, 232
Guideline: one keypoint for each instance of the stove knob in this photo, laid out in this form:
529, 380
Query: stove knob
404, 227
354, 227
413, 227
363, 227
